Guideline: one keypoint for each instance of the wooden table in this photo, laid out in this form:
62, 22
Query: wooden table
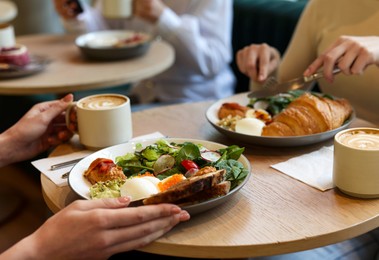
272, 214
69, 71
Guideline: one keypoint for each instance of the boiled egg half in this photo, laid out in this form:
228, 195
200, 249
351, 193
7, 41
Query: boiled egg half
250, 126
139, 187
145, 186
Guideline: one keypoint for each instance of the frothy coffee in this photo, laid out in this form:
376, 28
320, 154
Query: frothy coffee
364, 139
102, 102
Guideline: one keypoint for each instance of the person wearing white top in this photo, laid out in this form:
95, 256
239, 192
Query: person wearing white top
337, 32
199, 31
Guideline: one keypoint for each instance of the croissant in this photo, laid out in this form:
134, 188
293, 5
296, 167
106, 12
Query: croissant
309, 114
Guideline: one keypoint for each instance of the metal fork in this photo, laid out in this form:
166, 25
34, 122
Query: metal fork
270, 83
298, 83
272, 86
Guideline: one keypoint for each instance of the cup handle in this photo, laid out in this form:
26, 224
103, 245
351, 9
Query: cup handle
71, 118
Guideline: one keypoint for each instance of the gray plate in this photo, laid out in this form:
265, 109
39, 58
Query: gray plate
289, 141
36, 65
111, 53
81, 186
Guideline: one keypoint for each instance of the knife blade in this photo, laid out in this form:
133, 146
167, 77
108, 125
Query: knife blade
65, 164
303, 82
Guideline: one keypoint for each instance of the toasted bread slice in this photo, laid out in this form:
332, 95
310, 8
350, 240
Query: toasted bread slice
215, 191
187, 188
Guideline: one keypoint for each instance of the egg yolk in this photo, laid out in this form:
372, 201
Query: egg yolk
166, 183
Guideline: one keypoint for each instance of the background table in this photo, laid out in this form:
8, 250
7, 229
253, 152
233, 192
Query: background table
69, 71
272, 214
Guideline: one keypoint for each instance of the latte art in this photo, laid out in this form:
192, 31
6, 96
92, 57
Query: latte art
102, 102
361, 139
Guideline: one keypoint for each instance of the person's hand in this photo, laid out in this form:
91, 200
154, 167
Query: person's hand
257, 61
97, 229
68, 9
42, 127
351, 54
149, 10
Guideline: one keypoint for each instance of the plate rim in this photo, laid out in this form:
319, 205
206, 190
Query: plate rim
192, 209
40, 60
275, 141
83, 45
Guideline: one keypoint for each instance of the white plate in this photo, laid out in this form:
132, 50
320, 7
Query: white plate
81, 186
289, 141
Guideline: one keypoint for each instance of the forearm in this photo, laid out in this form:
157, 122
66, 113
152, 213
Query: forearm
6, 149
199, 39
302, 49
24, 249
89, 20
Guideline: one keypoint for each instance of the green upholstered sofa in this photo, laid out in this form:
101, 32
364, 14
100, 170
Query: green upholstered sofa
258, 21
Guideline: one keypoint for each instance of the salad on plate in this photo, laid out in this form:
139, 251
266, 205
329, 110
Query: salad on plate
185, 172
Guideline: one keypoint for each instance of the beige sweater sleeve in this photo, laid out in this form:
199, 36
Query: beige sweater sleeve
302, 49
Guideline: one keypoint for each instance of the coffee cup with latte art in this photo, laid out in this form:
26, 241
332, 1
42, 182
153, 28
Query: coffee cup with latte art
102, 120
356, 162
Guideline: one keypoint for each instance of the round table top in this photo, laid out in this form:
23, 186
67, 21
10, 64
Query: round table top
68, 71
272, 214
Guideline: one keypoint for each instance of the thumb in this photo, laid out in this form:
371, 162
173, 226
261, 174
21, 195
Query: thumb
52, 109
68, 98
64, 102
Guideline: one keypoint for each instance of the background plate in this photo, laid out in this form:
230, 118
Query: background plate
112, 53
81, 186
242, 99
37, 64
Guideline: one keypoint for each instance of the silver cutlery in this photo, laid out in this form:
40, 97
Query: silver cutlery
65, 175
272, 86
64, 164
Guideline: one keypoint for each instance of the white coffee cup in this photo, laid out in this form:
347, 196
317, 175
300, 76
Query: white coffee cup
114, 9
356, 162
102, 120
8, 11
7, 36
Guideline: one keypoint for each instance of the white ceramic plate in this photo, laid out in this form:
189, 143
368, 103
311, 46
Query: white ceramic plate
289, 141
105, 45
81, 186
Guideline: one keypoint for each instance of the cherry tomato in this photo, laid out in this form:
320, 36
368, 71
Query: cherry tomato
189, 164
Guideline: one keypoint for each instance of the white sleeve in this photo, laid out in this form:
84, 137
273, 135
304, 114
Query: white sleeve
201, 36
88, 21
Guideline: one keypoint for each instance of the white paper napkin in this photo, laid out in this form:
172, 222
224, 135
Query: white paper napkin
43, 165
314, 169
